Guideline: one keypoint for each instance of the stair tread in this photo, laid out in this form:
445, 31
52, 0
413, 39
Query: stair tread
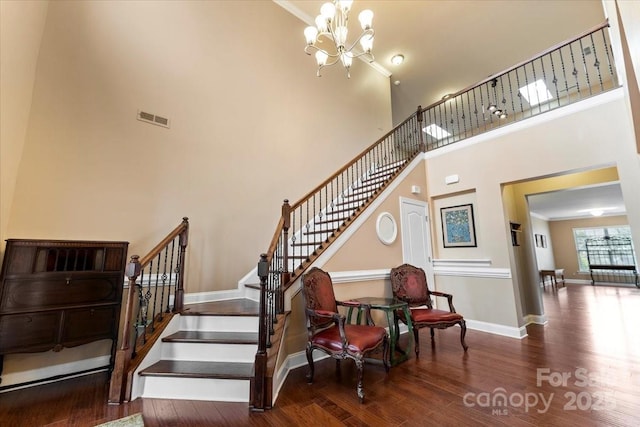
234, 307
213, 337
312, 243
198, 369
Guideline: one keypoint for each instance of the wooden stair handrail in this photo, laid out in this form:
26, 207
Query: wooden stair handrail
351, 163
120, 385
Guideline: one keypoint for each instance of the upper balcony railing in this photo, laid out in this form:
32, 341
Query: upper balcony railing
566, 73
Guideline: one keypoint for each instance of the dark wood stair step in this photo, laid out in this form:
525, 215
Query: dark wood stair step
348, 202
365, 190
233, 307
382, 174
373, 185
331, 221
197, 369
299, 256
392, 166
338, 211
213, 337
314, 243
319, 232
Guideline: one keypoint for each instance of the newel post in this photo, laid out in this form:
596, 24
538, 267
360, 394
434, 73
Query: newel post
184, 241
118, 385
420, 118
286, 215
260, 366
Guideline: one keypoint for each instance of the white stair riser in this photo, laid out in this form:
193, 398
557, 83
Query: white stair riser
196, 389
207, 352
219, 323
252, 294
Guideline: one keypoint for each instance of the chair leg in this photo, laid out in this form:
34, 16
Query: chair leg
385, 353
311, 367
416, 340
360, 366
433, 337
463, 332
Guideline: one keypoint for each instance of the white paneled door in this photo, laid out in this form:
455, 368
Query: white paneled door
416, 236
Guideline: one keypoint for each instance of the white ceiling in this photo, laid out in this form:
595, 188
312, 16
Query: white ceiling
577, 202
453, 44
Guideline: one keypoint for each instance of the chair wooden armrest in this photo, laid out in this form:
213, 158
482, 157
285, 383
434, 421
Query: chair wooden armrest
449, 298
360, 306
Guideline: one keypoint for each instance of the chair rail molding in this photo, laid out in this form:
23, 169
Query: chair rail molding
358, 275
469, 268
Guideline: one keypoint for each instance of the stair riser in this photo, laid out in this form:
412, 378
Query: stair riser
209, 352
252, 294
219, 323
197, 389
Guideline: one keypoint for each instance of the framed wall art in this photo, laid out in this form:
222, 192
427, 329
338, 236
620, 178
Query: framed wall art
458, 228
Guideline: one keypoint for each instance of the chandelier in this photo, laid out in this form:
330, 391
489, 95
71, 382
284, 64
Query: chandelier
331, 31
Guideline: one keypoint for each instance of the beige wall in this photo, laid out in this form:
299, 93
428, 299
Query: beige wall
544, 254
564, 247
576, 141
627, 17
21, 27
364, 251
251, 125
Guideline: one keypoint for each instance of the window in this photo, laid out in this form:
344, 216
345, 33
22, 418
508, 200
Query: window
535, 93
580, 235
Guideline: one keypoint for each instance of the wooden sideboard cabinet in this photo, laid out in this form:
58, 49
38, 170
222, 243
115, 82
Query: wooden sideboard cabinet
60, 293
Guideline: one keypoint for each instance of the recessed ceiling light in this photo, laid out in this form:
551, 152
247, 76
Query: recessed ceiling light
597, 211
397, 59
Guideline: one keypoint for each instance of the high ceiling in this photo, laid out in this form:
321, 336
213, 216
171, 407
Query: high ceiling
450, 45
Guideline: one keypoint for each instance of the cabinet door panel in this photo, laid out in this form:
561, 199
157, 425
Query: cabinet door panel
89, 324
23, 295
29, 332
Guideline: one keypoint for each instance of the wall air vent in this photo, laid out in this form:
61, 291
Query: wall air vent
152, 118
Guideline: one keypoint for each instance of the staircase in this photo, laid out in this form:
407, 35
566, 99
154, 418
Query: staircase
206, 353
314, 235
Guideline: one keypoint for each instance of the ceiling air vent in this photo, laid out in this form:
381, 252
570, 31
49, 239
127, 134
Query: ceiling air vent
152, 118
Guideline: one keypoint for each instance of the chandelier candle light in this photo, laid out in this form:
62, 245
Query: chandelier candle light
331, 28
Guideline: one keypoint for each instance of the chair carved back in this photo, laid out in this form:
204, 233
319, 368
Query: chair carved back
317, 289
409, 284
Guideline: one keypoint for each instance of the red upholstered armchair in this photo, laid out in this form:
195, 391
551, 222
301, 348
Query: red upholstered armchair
328, 332
409, 284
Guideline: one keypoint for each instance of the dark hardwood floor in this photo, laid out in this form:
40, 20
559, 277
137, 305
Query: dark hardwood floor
583, 368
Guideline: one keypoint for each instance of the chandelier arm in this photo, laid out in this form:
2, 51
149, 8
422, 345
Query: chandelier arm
368, 32
308, 51
335, 59
358, 55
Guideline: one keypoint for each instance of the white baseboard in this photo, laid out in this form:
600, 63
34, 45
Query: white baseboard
39, 376
535, 319
494, 328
